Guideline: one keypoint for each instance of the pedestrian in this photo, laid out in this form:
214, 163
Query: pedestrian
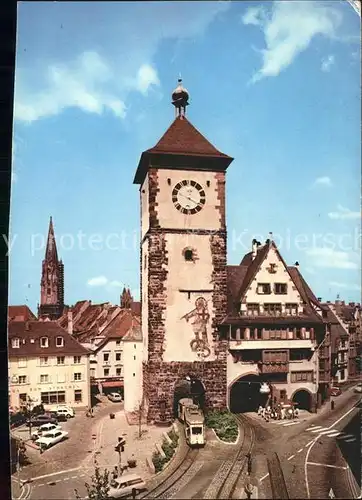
249, 463
296, 413
134, 492
115, 472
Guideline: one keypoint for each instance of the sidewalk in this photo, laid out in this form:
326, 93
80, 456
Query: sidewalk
105, 438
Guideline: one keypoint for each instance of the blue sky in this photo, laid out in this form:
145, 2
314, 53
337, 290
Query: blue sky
275, 85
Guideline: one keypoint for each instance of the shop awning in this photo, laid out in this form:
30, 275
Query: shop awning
112, 383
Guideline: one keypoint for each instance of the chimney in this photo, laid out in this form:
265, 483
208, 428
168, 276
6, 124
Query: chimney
296, 264
351, 304
319, 299
70, 322
254, 249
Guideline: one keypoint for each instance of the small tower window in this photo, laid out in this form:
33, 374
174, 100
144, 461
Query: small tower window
208, 184
48, 291
189, 255
169, 181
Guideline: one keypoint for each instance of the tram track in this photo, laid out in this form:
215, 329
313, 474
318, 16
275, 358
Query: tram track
171, 484
231, 470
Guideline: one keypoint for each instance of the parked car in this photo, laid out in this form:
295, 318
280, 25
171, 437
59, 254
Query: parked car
57, 408
46, 418
358, 388
63, 413
51, 438
122, 486
45, 428
335, 391
115, 397
17, 419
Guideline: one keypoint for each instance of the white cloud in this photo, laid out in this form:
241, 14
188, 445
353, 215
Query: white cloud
344, 213
103, 281
87, 83
92, 82
98, 281
146, 77
288, 30
346, 286
330, 258
323, 181
327, 63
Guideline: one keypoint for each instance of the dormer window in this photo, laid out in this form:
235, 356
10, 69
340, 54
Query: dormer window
264, 288
44, 342
15, 343
59, 342
280, 288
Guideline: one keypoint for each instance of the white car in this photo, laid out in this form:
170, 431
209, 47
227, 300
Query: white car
115, 397
45, 428
51, 438
122, 486
65, 412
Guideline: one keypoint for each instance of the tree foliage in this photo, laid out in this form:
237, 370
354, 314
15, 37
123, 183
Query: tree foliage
99, 487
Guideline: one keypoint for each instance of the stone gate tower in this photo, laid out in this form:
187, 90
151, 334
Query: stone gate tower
183, 263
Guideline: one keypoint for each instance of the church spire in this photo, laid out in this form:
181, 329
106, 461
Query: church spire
52, 280
51, 253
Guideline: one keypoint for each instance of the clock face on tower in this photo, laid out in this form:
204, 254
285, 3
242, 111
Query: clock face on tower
188, 197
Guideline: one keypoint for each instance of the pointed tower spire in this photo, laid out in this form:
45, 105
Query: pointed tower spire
52, 280
51, 253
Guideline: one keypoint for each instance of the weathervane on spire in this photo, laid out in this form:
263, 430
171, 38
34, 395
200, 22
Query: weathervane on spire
180, 98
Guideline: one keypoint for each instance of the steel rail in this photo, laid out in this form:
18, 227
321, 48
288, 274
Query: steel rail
239, 462
164, 486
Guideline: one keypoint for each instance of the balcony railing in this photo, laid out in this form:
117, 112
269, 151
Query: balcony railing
276, 367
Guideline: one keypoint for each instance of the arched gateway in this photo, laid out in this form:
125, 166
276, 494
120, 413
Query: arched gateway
245, 395
303, 398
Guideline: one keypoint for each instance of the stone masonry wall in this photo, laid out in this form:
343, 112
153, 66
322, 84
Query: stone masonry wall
161, 378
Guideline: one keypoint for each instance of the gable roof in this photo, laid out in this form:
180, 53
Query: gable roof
183, 138
20, 313
304, 289
125, 326
26, 331
235, 277
253, 266
187, 146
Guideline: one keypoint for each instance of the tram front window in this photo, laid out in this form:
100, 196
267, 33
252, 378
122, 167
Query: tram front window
196, 430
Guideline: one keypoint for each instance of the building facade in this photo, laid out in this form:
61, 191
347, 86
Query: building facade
52, 280
113, 336
220, 327
47, 365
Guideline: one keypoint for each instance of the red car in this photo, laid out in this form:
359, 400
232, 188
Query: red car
335, 391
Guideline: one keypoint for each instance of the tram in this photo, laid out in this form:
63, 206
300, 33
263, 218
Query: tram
194, 421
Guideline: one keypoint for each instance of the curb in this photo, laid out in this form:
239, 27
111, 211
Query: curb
226, 442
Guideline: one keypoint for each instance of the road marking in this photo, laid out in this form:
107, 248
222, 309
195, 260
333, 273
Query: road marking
348, 436
327, 465
300, 450
327, 432
53, 474
314, 442
314, 427
264, 477
41, 484
334, 434
308, 444
291, 456
73, 477
350, 440
291, 423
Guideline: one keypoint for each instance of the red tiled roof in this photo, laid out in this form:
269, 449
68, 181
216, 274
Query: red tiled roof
26, 331
303, 287
253, 267
183, 138
20, 313
235, 277
136, 308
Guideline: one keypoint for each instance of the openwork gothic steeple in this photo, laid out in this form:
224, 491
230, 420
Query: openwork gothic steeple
52, 280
